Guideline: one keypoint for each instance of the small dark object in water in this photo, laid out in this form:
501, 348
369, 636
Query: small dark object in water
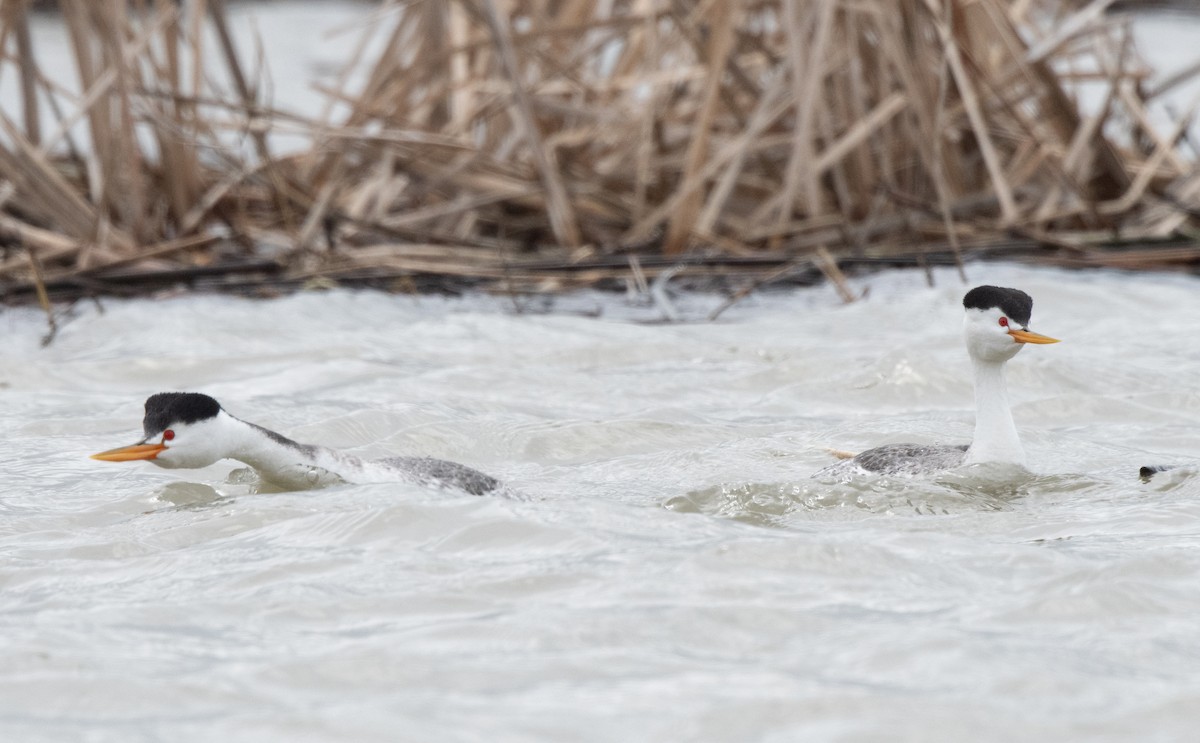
1150, 470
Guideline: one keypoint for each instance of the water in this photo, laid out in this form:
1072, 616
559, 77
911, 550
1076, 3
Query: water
672, 574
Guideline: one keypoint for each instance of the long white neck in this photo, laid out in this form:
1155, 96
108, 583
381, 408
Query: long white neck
288, 464
996, 437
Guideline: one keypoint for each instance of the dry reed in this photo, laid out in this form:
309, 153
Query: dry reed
531, 146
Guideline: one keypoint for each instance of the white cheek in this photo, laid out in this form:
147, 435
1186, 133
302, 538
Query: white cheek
1004, 346
166, 458
181, 457
987, 339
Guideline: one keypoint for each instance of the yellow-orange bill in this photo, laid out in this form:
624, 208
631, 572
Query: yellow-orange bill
130, 453
1028, 336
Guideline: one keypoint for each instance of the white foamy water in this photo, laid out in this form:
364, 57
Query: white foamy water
673, 575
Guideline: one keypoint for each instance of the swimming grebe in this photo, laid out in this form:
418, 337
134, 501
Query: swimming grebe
996, 328
186, 430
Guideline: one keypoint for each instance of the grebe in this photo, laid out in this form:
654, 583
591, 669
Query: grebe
186, 430
996, 327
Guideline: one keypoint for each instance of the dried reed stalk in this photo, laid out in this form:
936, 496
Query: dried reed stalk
578, 141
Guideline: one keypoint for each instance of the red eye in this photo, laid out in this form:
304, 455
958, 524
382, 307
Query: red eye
1004, 322
168, 435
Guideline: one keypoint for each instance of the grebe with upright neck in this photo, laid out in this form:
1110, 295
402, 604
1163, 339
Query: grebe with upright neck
996, 328
188, 430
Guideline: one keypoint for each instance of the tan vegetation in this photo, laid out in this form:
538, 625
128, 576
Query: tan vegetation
535, 145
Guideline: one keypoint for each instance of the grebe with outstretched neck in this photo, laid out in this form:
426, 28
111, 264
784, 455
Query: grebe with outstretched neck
187, 430
996, 327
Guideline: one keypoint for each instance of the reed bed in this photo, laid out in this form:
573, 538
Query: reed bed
538, 146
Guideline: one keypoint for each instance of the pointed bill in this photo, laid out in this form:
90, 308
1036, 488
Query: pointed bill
1028, 336
130, 453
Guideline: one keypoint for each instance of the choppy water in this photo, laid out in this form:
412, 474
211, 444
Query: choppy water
674, 575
